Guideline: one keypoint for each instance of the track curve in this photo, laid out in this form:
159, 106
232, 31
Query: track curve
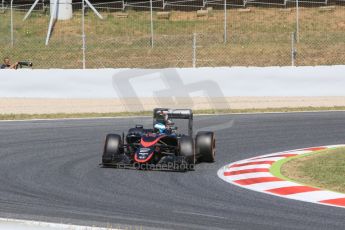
49, 172
256, 174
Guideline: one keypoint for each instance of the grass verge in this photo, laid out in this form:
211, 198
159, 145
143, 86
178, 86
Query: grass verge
148, 113
322, 169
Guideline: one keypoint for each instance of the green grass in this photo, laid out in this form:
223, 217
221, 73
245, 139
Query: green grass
261, 38
322, 169
276, 168
149, 113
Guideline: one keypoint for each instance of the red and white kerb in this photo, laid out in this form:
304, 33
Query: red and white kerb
254, 174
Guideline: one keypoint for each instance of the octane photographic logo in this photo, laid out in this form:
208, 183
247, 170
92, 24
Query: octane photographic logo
171, 166
166, 88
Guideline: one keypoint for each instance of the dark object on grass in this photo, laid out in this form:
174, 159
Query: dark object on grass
24, 63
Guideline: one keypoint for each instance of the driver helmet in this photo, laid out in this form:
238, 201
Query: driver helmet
160, 127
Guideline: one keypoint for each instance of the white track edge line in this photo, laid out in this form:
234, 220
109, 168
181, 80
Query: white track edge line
54, 225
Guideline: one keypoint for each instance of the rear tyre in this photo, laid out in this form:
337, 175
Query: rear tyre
111, 148
205, 144
186, 147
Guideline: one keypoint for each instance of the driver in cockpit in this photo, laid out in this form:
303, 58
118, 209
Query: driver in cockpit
160, 128
163, 124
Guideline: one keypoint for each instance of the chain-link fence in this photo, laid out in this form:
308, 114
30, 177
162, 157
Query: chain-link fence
175, 33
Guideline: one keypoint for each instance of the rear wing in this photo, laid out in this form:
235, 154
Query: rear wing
175, 114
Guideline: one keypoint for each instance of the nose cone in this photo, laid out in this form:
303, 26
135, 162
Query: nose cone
143, 155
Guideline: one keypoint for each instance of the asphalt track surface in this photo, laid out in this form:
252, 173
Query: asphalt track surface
49, 172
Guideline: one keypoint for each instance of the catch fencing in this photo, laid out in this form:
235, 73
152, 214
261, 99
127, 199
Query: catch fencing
174, 33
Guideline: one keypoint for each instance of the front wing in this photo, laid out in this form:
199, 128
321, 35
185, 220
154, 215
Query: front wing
169, 162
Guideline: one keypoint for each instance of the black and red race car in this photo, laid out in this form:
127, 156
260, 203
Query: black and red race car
162, 146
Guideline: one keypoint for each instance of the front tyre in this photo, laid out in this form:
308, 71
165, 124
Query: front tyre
205, 144
111, 148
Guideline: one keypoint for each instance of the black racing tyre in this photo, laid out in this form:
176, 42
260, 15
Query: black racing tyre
187, 150
111, 148
205, 145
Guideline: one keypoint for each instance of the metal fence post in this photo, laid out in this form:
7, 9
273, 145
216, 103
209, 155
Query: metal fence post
83, 33
123, 5
293, 48
225, 22
297, 21
151, 23
12, 35
194, 50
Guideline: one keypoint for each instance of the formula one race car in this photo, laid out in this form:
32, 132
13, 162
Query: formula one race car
161, 147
